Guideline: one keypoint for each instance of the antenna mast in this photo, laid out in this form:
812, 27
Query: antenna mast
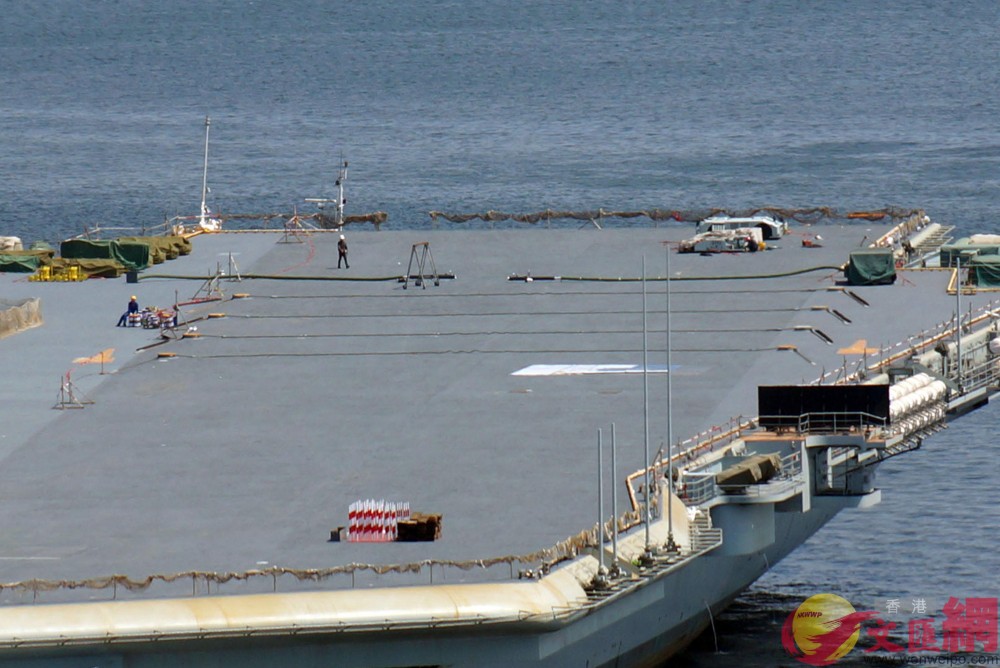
340, 201
340, 194
204, 178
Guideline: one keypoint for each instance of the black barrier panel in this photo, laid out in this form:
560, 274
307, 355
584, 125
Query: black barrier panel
784, 405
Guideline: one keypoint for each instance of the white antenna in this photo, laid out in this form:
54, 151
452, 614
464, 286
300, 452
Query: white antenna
340, 193
204, 178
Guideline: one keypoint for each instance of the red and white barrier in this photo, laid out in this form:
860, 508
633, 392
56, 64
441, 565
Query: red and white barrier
371, 521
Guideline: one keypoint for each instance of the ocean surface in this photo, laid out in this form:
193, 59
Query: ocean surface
518, 106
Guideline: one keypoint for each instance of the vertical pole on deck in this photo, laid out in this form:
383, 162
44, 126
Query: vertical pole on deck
600, 501
614, 500
671, 546
645, 405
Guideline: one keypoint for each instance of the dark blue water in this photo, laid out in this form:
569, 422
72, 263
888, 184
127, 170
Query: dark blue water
469, 106
476, 105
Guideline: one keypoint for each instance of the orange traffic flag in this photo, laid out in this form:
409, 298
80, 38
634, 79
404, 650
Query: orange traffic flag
859, 347
105, 356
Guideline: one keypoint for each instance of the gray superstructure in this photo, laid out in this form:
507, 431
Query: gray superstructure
227, 450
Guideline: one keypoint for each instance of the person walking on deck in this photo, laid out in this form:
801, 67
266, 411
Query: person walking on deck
342, 252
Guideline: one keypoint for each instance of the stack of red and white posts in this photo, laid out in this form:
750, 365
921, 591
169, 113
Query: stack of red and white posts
372, 521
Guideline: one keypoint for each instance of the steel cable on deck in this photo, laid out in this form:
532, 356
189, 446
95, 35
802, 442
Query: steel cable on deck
553, 332
467, 351
537, 293
257, 316
409, 335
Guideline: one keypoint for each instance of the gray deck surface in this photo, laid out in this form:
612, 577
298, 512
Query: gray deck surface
250, 444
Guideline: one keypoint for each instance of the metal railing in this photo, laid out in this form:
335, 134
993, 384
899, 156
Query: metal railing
983, 374
831, 422
698, 487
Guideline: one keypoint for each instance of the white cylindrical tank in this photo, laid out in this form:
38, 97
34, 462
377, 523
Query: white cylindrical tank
913, 394
940, 389
923, 397
995, 346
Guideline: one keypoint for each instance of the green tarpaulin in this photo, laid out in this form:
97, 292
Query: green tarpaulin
162, 247
132, 256
874, 266
25, 264
984, 271
24, 261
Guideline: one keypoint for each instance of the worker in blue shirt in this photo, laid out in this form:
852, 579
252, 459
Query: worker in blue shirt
133, 307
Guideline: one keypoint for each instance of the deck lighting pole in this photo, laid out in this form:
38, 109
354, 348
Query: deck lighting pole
614, 502
601, 571
600, 579
671, 546
647, 556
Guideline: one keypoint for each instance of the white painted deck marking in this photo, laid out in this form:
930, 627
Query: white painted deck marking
585, 369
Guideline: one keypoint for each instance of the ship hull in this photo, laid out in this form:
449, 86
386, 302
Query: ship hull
643, 628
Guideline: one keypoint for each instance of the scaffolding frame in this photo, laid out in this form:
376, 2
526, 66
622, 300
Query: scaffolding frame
421, 258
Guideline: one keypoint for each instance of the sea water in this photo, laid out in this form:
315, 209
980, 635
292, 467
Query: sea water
519, 106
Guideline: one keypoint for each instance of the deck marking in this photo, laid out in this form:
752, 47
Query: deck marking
586, 369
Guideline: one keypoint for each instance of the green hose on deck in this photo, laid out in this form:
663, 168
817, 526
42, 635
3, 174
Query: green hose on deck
600, 279
275, 277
